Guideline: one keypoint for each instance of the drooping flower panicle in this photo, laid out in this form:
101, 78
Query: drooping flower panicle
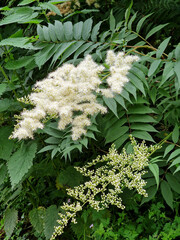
70, 90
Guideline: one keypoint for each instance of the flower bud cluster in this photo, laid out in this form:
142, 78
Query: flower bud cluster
70, 93
111, 174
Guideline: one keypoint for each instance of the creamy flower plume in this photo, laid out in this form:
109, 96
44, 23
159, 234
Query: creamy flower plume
72, 89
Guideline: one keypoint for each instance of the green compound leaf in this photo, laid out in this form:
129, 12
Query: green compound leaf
50, 220
36, 217
10, 220
20, 162
167, 193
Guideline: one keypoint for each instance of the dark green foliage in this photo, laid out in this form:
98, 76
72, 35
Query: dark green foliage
34, 175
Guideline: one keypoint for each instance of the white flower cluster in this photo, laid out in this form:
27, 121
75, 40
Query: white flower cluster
71, 90
115, 173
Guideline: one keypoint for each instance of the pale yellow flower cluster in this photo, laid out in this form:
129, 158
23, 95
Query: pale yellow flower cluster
115, 173
70, 93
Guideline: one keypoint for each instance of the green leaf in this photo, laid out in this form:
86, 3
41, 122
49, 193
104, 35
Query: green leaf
167, 72
52, 140
6, 145
26, 2
177, 71
154, 66
168, 149
177, 170
20, 162
167, 193
82, 49
151, 193
175, 162
36, 217
73, 48
69, 177
3, 87
174, 154
43, 56
162, 47
21, 62
53, 132
143, 135
138, 118
111, 104
3, 173
155, 29
177, 52
21, 42
125, 95
137, 82
50, 220
47, 148
95, 31
141, 21
61, 49
131, 89
51, 7
120, 100
175, 134
86, 30
128, 12
10, 221
112, 21
131, 21
118, 143
59, 30
143, 126
52, 32
40, 33
115, 133
21, 14
68, 30
173, 182
139, 109
155, 170
78, 30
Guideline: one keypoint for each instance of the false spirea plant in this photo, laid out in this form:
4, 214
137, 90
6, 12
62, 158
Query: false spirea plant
108, 176
70, 94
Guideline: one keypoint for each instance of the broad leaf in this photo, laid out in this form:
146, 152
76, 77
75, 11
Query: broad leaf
10, 221
36, 217
50, 220
20, 162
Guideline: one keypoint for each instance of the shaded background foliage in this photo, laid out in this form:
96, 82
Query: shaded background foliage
34, 175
